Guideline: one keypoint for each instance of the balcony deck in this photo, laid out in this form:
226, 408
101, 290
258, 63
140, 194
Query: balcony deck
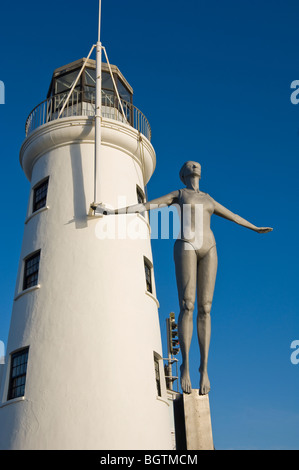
83, 104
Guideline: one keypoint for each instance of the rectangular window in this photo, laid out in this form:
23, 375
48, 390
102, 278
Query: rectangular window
148, 275
140, 198
40, 195
18, 371
157, 375
31, 271
140, 195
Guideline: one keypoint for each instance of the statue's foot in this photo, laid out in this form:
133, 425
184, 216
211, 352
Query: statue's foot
185, 380
204, 386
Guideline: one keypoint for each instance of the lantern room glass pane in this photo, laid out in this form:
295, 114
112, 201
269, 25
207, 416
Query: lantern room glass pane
107, 83
123, 92
90, 77
65, 82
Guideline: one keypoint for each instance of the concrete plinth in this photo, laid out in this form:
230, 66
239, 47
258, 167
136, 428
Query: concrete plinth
198, 421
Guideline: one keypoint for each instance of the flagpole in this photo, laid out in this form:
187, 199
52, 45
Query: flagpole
98, 108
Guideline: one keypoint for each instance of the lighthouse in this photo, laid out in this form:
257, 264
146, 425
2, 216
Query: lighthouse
84, 363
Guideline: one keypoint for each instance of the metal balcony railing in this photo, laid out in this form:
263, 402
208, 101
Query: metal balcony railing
82, 103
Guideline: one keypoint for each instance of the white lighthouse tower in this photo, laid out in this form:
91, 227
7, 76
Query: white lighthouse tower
84, 365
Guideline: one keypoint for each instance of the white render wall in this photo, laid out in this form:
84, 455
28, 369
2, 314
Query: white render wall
91, 327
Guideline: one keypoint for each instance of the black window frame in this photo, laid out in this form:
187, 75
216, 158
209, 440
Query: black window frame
141, 198
157, 375
18, 373
31, 271
140, 195
42, 202
148, 275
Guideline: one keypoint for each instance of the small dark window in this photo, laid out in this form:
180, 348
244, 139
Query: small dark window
140, 198
148, 275
157, 375
31, 271
18, 374
40, 195
140, 195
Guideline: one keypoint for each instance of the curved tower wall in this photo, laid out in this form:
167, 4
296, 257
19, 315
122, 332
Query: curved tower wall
91, 326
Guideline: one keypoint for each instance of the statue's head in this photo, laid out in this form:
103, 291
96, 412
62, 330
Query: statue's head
188, 169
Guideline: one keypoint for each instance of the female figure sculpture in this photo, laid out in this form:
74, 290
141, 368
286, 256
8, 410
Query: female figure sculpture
195, 257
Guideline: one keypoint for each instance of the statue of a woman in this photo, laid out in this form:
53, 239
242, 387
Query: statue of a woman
195, 257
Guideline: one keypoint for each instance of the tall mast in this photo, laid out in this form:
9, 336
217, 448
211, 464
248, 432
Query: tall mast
98, 107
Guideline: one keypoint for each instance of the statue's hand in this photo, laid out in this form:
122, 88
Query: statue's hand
101, 209
264, 229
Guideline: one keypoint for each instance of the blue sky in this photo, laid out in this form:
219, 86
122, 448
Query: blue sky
213, 78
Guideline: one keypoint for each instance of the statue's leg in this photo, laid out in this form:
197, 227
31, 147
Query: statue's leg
185, 266
206, 276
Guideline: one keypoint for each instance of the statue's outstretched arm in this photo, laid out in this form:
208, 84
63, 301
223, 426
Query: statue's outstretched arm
227, 214
159, 202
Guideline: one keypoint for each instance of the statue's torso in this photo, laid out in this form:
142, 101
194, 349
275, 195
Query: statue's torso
195, 210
